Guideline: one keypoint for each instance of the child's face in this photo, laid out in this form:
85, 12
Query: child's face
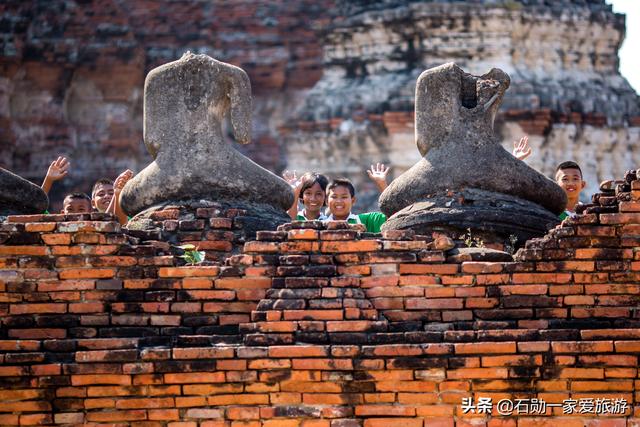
313, 198
102, 197
570, 180
71, 206
340, 201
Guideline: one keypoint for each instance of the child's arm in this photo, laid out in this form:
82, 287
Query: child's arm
292, 179
521, 149
114, 206
378, 174
58, 169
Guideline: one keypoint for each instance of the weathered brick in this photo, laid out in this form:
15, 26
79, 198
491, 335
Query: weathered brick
350, 246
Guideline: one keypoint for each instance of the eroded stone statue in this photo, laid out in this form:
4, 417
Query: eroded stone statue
465, 178
19, 196
185, 102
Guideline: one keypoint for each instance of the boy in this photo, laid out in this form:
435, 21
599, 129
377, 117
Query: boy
569, 178
76, 203
101, 194
340, 199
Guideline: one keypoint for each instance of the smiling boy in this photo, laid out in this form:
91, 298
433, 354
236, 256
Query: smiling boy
340, 199
569, 178
101, 194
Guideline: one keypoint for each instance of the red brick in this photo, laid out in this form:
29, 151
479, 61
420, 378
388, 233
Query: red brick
492, 279
436, 303
160, 402
41, 333
56, 239
388, 410
298, 351
349, 326
578, 300
302, 234
417, 280
541, 278
243, 283
582, 373
163, 414
243, 413
485, 348
87, 273
481, 267
477, 373
429, 268
322, 364
513, 360
194, 377
24, 250
198, 271
80, 380
345, 246
523, 289
203, 353
261, 247
37, 308
114, 416
620, 218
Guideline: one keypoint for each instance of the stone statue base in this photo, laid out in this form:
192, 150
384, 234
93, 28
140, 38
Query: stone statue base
492, 217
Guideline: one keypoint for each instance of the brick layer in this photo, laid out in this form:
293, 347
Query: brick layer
100, 327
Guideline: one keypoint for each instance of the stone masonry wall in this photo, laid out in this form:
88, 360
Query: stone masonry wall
318, 325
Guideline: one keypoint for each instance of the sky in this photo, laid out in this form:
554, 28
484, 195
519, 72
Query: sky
630, 60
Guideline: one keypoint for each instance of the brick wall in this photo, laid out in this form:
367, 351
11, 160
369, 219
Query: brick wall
317, 325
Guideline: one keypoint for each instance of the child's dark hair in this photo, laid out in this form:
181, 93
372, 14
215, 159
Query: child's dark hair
568, 165
309, 179
342, 182
101, 181
78, 196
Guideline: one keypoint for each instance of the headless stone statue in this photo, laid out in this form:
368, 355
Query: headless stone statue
19, 196
185, 102
465, 178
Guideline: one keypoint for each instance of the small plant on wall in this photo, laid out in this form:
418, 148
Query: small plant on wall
192, 255
472, 241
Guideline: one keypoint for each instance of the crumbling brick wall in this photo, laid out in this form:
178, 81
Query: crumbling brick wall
315, 325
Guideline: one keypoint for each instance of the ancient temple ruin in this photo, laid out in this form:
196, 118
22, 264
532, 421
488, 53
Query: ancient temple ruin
328, 77
321, 324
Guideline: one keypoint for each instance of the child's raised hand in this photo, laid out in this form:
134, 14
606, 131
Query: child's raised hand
58, 169
291, 178
521, 149
378, 174
122, 179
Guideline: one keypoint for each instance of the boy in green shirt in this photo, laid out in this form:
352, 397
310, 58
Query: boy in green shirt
340, 199
569, 178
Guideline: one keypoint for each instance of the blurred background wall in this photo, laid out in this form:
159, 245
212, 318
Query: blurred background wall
333, 81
